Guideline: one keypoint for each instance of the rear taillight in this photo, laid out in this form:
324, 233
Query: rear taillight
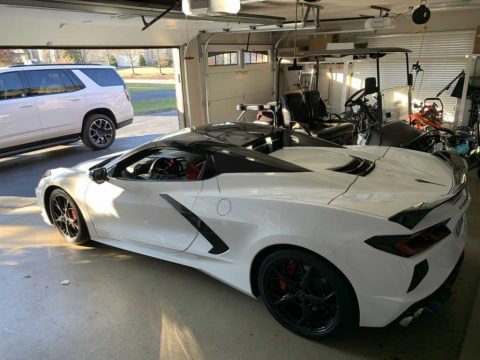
409, 245
127, 93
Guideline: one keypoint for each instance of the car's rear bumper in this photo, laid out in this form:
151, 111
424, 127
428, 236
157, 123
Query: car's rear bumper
124, 123
384, 285
433, 302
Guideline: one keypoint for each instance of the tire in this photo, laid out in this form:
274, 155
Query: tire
67, 218
306, 294
98, 132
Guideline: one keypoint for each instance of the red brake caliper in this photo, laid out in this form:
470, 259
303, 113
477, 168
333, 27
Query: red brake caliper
290, 270
73, 214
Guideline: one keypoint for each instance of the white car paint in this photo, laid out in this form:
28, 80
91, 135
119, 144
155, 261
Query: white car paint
30, 119
327, 212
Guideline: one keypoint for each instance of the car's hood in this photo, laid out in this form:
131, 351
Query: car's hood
400, 179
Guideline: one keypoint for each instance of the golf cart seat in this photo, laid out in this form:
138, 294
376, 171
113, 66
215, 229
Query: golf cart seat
318, 109
296, 113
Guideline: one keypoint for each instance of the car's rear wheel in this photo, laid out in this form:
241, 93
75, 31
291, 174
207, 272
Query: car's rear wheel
306, 294
98, 132
67, 218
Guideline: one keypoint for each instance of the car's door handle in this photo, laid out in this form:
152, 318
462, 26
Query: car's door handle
76, 99
26, 106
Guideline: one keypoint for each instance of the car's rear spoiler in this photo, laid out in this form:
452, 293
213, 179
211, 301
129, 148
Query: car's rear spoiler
412, 216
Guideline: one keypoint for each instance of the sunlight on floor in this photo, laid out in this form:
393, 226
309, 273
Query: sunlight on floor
177, 341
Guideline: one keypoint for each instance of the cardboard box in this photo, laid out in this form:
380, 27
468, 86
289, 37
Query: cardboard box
319, 42
476, 46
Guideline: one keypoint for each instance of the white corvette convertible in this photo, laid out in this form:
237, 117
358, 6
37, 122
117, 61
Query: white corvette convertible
327, 236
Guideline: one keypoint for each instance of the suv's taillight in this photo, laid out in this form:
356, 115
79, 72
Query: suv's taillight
409, 245
127, 93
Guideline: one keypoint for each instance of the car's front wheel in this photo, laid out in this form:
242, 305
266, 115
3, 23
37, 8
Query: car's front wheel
67, 218
306, 294
98, 132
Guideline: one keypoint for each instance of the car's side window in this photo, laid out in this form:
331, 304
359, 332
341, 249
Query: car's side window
104, 77
46, 82
165, 164
11, 86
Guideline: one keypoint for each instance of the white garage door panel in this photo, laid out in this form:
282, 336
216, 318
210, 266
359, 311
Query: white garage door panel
231, 85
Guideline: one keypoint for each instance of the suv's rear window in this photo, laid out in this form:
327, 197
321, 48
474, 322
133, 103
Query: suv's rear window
104, 77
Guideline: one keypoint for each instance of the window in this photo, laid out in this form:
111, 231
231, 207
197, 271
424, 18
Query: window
166, 164
46, 82
258, 57
104, 77
219, 59
77, 83
11, 86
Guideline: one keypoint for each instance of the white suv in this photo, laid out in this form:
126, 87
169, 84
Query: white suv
47, 105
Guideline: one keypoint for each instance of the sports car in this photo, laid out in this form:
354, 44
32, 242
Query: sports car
328, 236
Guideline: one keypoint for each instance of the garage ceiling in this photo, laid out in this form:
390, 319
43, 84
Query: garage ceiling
350, 8
119, 23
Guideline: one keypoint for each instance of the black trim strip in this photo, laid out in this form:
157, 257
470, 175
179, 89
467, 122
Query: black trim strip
23, 148
219, 247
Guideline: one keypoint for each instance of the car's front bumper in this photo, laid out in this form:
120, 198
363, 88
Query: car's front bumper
40, 195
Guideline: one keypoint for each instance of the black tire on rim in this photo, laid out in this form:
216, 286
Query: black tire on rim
98, 132
67, 218
306, 294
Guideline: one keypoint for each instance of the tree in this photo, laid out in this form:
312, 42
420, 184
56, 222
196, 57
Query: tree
112, 60
71, 56
141, 61
75, 56
7, 57
131, 55
162, 57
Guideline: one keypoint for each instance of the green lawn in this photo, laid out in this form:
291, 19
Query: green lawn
152, 105
134, 87
148, 106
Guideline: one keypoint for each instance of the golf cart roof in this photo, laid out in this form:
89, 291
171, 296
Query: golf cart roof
343, 52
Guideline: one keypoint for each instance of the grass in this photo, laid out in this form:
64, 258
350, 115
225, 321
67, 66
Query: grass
146, 72
154, 105
135, 88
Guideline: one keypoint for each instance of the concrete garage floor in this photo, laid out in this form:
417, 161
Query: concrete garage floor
121, 305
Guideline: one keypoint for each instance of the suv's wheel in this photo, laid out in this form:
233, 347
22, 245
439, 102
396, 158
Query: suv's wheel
98, 132
305, 294
67, 218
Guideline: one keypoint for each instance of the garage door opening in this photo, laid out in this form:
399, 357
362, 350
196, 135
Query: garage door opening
150, 74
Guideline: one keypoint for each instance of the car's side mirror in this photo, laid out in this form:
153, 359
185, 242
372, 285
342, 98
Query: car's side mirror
99, 175
370, 85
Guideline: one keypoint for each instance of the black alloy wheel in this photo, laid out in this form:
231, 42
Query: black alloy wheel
305, 294
67, 218
99, 132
